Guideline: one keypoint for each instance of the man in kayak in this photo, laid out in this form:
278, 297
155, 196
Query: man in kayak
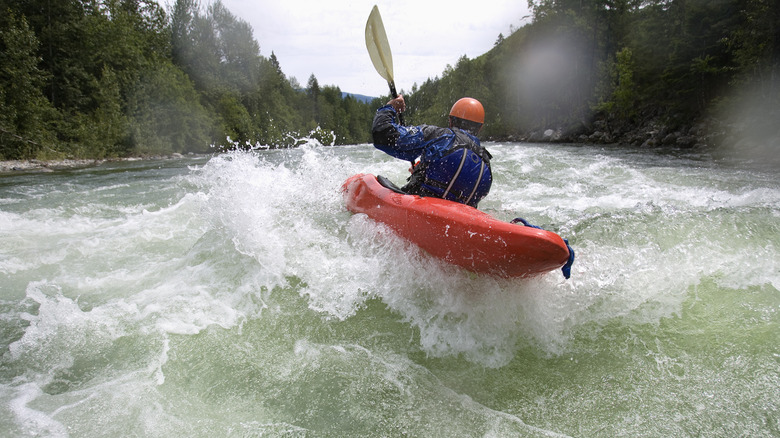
452, 163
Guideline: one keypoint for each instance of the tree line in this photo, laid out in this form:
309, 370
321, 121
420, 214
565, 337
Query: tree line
112, 78
616, 65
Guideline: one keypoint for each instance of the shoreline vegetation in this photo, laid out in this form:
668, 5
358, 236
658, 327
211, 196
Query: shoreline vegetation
105, 79
31, 166
13, 166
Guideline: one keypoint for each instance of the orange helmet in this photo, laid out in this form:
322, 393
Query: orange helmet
469, 109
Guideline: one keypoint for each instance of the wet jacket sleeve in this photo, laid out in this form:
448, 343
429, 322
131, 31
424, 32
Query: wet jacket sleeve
404, 142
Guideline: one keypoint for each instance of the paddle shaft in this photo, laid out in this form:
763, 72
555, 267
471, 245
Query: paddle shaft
393, 93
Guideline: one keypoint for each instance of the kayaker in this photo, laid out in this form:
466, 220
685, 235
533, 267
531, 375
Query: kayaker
452, 163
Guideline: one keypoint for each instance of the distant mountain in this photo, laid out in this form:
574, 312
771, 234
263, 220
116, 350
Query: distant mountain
358, 97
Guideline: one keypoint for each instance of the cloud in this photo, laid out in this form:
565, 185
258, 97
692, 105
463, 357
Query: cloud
327, 38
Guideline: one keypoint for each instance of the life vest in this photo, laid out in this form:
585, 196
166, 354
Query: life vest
462, 174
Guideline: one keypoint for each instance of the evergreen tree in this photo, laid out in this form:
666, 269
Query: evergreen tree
25, 113
313, 92
166, 114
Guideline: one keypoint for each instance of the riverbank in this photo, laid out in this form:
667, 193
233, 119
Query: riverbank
752, 139
13, 166
645, 134
45, 165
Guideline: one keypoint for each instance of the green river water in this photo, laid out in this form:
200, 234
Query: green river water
234, 296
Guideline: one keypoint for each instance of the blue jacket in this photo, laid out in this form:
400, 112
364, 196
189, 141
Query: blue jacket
453, 165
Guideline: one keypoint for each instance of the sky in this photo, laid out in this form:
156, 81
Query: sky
327, 38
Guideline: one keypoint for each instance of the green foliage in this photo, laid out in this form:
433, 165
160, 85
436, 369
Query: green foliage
24, 111
623, 98
628, 60
166, 114
105, 132
108, 78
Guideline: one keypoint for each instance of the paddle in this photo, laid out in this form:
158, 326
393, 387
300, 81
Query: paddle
379, 51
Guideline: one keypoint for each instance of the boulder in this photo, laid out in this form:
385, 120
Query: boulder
686, 141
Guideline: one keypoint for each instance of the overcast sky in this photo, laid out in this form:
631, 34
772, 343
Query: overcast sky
327, 38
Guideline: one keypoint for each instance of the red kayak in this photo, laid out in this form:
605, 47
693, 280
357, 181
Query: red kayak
457, 233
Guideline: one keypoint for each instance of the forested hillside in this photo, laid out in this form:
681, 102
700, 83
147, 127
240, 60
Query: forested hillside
646, 72
108, 78
111, 78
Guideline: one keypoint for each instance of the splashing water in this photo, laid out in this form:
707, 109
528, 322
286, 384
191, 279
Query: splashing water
236, 296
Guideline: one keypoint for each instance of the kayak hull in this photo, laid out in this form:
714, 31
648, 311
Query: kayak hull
457, 233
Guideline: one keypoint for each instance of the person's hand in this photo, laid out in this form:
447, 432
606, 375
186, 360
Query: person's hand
398, 104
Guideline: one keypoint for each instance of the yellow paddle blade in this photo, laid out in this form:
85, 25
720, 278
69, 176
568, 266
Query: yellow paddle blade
378, 46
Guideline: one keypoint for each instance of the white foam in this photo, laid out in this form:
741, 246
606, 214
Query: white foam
173, 269
31, 421
284, 210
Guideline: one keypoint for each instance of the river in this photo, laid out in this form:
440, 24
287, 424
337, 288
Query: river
235, 296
